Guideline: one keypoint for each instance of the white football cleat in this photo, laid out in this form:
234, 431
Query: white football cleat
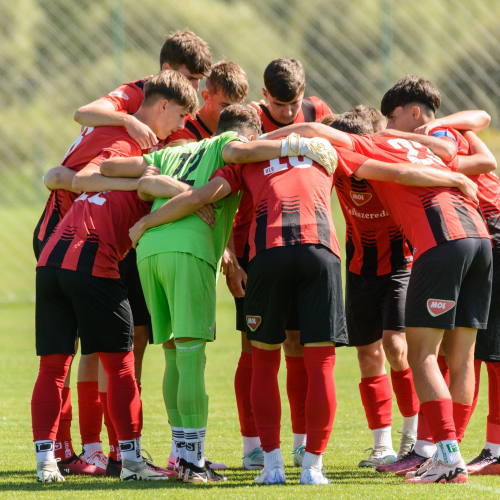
379, 456
254, 460
406, 444
313, 476
298, 455
440, 472
48, 472
98, 458
140, 471
271, 476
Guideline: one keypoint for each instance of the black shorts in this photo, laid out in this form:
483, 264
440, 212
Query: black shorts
488, 340
129, 275
292, 323
70, 301
310, 275
450, 285
374, 304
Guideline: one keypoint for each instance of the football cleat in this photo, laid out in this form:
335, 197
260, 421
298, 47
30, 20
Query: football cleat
379, 456
420, 469
140, 471
114, 467
482, 461
215, 465
172, 462
150, 463
48, 472
198, 475
98, 458
440, 472
271, 476
405, 463
406, 444
180, 464
254, 460
298, 455
76, 466
312, 476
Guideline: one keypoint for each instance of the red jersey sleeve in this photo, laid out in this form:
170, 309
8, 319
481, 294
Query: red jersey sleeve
322, 110
127, 97
233, 175
349, 162
463, 147
120, 147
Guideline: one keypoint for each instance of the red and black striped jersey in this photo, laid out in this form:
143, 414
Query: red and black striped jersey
93, 145
93, 236
375, 244
128, 97
427, 216
194, 129
312, 109
488, 187
291, 200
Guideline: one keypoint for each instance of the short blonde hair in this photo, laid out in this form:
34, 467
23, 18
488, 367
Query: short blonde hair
229, 79
174, 87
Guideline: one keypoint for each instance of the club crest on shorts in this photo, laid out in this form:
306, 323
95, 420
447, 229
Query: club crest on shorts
437, 307
253, 322
360, 198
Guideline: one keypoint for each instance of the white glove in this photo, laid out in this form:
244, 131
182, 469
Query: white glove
317, 149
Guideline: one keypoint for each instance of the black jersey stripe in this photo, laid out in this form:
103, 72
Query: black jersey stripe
140, 84
493, 224
192, 128
322, 224
397, 243
260, 238
290, 221
465, 218
349, 245
88, 254
308, 109
203, 126
435, 218
56, 256
369, 266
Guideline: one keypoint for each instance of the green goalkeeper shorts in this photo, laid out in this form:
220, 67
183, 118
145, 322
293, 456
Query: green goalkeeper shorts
180, 293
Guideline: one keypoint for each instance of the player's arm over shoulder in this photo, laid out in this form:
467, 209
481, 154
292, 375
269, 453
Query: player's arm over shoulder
481, 159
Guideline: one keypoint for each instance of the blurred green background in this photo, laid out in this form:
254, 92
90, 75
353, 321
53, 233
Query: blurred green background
56, 55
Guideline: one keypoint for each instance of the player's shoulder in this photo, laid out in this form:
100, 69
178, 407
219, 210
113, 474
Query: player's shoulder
314, 108
451, 133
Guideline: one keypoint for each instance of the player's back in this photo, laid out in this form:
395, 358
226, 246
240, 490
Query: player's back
194, 164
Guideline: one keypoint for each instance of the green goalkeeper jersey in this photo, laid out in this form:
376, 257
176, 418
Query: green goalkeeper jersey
193, 164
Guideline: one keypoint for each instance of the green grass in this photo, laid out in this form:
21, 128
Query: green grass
18, 369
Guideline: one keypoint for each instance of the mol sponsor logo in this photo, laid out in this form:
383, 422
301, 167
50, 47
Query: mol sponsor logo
436, 307
253, 322
360, 198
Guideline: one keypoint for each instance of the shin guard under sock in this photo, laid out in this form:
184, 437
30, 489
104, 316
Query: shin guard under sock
89, 412
296, 388
439, 417
242, 388
376, 396
404, 389
114, 448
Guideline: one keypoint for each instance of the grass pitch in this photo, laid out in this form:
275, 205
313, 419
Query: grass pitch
18, 370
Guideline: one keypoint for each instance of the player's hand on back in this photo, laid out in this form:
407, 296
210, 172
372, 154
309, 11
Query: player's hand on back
256, 105
207, 214
468, 188
135, 233
427, 127
141, 133
229, 263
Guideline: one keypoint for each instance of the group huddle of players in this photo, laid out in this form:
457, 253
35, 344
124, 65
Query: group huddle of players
155, 195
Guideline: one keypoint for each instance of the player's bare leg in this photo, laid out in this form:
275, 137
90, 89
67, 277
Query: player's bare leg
141, 341
253, 457
296, 388
436, 404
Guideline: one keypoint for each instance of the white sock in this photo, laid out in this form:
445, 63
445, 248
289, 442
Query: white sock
382, 438
249, 444
410, 424
424, 448
44, 451
312, 461
178, 442
494, 448
195, 446
448, 451
273, 459
299, 440
89, 449
131, 450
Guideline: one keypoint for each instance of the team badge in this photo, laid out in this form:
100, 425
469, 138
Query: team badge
360, 198
437, 307
119, 93
253, 322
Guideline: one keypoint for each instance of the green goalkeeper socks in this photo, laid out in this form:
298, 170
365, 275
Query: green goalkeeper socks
170, 386
192, 399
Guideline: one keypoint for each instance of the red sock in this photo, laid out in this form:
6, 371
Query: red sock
477, 374
89, 412
265, 393
402, 385
443, 367
139, 388
423, 432
321, 401
296, 388
46, 400
64, 445
493, 420
439, 418
461, 417
376, 396
124, 402
242, 387
114, 448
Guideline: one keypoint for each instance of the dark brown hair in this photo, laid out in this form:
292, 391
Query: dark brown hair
353, 123
411, 89
184, 48
328, 119
239, 118
374, 115
285, 79
174, 87
229, 79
